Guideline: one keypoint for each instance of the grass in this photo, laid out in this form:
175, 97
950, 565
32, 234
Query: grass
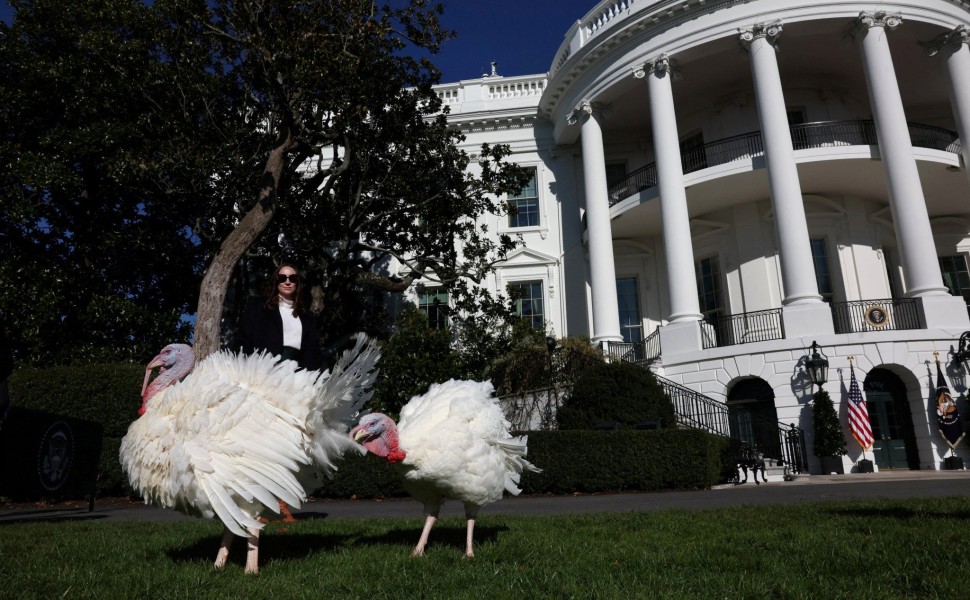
864, 549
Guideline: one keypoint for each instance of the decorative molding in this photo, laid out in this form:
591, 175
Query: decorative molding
957, 36
661, 66
527, 257
770, 31
703, 228
880, 18
584, 108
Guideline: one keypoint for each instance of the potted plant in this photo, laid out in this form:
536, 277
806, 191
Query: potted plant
829, 444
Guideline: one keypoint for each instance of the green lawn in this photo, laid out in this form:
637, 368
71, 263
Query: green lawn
865, 549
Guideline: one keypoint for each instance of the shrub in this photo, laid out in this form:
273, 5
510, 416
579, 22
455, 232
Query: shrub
530, 366
616, 393
411, 360
829, 440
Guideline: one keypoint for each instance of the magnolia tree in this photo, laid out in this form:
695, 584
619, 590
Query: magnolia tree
354, 146
211, 127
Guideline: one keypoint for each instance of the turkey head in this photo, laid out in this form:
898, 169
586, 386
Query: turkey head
174, 362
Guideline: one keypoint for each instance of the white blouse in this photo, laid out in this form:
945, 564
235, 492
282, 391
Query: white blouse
292, 327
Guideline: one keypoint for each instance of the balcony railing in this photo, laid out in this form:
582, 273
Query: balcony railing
806, 136
875, 315
641, 353
743, 328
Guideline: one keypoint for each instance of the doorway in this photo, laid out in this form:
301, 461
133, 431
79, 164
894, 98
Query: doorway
894, 445
752, 416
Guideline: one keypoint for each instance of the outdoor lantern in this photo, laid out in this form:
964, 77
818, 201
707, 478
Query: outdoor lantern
818, 366
550, 344
962, 355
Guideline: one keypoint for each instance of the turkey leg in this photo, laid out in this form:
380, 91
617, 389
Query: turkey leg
432, 516
252, 553
223, 554
469, 553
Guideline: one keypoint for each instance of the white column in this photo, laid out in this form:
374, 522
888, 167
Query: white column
803, 314
912, 222
956, 54
606, 312
679, 251
682, 333
791, 226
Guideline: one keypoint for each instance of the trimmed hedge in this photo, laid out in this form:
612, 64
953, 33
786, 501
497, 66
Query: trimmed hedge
572, 461
613, 461
575, 461
109, 394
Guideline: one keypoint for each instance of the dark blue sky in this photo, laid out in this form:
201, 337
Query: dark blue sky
521, 35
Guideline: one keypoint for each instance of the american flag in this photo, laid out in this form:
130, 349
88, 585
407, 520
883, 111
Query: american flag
859, 415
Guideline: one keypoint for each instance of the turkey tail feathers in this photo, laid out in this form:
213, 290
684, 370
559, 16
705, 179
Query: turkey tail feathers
339, 402
515, 450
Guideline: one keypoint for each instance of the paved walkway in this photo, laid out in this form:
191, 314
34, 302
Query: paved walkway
814, 488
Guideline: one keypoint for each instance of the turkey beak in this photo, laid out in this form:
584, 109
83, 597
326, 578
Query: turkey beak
155, 362
359, 434
148, 374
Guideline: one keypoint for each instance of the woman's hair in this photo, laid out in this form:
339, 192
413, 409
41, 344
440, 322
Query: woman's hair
273, 302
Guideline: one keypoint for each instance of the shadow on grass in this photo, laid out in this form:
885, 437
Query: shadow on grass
280, 544
441, 535
273, 546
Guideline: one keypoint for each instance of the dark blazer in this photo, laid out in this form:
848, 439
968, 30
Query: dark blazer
261, 328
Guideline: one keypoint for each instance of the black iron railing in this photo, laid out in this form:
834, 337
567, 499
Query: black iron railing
743, 328
804, 136
696, 410
886, 314
637, 181
640, 353
773, 440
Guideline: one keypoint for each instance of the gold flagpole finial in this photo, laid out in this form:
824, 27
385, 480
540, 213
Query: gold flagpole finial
936, 356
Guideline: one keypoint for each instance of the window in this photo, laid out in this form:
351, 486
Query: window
434, 303
799, 134
823, 275
796, 116
524, 206
528, 302
955, 275
692, 154
629, 303
615, 173
709, 287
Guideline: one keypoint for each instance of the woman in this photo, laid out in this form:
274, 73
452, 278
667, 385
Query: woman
281, 324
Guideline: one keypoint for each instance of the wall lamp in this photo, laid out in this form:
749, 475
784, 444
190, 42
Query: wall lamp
962, 355
818, 366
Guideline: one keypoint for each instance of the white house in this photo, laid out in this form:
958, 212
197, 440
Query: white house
721, 183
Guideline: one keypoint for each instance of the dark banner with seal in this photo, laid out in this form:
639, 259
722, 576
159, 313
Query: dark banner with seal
43, 455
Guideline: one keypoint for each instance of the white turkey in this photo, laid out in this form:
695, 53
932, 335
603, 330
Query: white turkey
239, 433
452, 442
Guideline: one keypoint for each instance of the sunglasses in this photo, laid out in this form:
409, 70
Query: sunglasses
284, 278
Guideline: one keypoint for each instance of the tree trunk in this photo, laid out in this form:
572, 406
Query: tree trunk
216, 279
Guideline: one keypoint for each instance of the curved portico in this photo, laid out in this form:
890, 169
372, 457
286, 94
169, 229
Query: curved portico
803, 312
